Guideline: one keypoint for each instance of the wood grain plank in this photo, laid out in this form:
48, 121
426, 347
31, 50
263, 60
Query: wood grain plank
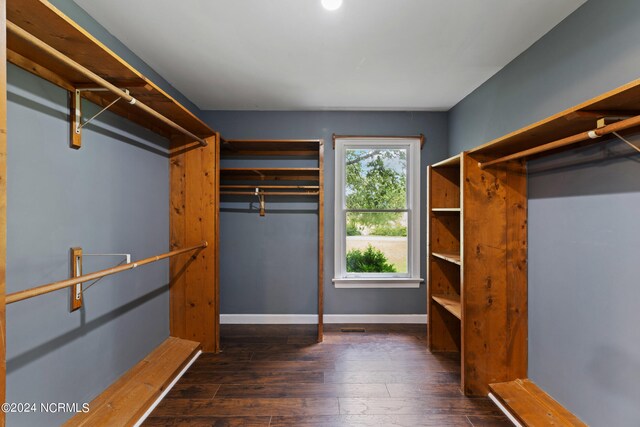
304, 390
517, 278
389, 377
372, 421
193, 391
485, 279
417, 406
207, 422
532, 406
268, 365
177, 226
252, 377
249, 407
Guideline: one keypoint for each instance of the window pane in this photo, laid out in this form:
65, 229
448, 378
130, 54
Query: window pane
376, 178
377, 242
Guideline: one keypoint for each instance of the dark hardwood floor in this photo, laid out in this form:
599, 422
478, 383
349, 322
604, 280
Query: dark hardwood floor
278, 376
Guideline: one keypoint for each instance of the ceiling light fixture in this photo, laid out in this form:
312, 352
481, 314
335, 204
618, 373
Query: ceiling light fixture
331, 4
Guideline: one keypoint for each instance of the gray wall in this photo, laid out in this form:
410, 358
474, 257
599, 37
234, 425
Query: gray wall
268, 265
584, 345
109, 196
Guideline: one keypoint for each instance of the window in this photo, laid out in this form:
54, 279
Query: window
377, 209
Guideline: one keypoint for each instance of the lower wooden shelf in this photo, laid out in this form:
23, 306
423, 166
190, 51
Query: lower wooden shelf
451, 303
531, 406
448, 256
127, 399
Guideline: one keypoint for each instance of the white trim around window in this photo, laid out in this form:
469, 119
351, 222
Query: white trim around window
411, 279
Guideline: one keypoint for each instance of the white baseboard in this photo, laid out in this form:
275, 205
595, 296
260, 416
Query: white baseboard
310, 319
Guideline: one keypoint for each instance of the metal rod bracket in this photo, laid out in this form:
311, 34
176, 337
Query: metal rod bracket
75, 258
260, 195
76, 113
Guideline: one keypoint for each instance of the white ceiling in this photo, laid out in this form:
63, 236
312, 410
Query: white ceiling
294, 55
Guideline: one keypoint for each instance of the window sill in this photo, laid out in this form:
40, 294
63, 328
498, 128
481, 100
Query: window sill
390, 283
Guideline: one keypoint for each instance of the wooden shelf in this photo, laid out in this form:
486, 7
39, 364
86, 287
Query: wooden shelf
448, 256
44, 21
270, 174
446, 210
620, 102
131, 395
450, 162
451, 303
270, 147
530, 405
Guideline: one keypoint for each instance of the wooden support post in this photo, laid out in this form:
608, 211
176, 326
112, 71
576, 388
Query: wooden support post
216, 244
495, 274
321, 241
75, 262
193, 217
3, 199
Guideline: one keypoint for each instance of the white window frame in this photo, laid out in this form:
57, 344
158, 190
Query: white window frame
412, 279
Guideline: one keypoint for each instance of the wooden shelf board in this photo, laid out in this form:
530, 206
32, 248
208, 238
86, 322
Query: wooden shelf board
270, 147
270, 174
446, 210
451, 303
448, 256
531, 405
622, 101
130, 396
450, 162
47, 23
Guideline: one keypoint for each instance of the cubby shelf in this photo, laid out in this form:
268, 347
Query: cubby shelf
448, 256
451, 303
474, 233
446, 210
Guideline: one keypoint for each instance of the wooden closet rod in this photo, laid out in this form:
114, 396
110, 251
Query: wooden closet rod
274, 187
29, 38
287, 141
267, 193
50, 287
574, 139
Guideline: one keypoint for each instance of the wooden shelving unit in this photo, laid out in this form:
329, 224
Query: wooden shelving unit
477, 223
261, 183
585, 123
444, 256
43, 21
